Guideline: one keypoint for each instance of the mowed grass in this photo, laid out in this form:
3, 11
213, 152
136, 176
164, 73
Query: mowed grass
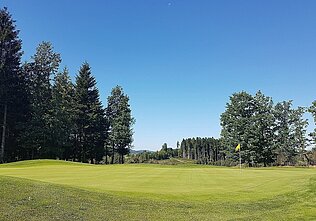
58, 190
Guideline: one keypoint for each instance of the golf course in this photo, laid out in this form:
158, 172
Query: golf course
59, 190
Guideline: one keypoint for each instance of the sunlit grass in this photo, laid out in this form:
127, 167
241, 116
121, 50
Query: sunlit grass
179, 192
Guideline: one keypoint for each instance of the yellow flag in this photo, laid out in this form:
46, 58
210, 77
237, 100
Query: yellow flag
238, 147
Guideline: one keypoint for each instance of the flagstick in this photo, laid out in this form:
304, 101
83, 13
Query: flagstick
239, 160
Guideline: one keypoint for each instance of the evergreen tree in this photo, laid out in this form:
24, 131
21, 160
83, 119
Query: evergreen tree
189, 148
121, 121
203, 150
90, 120
164, 147
183, 149
40, 71
62, 115
11, 83
178, 149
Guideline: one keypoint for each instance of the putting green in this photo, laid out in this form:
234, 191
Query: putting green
168, 182
189, 184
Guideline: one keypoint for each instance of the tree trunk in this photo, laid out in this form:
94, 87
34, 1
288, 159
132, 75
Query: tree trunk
307, 158
3, 133
106, 154
122, 159
112, 160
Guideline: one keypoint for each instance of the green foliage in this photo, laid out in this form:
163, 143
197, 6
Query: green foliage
268, 134
10, 57
164, 153
290, 132
13, 105
44, 115
164, 147
63, 114
203, 150
261, 132
299, 130
237, 124
197, 150
40, 70
120, 120
91, 125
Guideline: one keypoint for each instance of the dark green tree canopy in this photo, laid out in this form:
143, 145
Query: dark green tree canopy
11, 84
10, 55
39, 71
267, 133
121, 122
90, 116
62, 114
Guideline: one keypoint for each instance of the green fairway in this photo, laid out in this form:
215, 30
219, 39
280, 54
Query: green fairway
56, 189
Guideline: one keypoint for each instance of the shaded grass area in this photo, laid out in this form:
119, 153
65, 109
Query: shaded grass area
37, 163
57, 198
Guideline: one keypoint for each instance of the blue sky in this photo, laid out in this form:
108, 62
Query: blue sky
180, 60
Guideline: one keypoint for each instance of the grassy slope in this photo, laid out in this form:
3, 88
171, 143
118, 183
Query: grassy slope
70, 191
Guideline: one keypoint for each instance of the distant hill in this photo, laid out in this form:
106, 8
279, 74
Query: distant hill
140, 151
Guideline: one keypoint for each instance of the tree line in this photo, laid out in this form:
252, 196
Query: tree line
203, 150
153, 156
269, 134
46, 115
199, 150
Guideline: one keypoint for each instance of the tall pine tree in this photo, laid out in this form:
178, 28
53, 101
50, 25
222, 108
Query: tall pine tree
40, 71
11, 83
62, 115
121, 121
91, 124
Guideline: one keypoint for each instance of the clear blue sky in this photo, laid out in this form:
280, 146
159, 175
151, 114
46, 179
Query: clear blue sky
180, 60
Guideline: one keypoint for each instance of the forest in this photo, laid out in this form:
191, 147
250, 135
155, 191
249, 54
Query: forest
269, 134
46, 115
